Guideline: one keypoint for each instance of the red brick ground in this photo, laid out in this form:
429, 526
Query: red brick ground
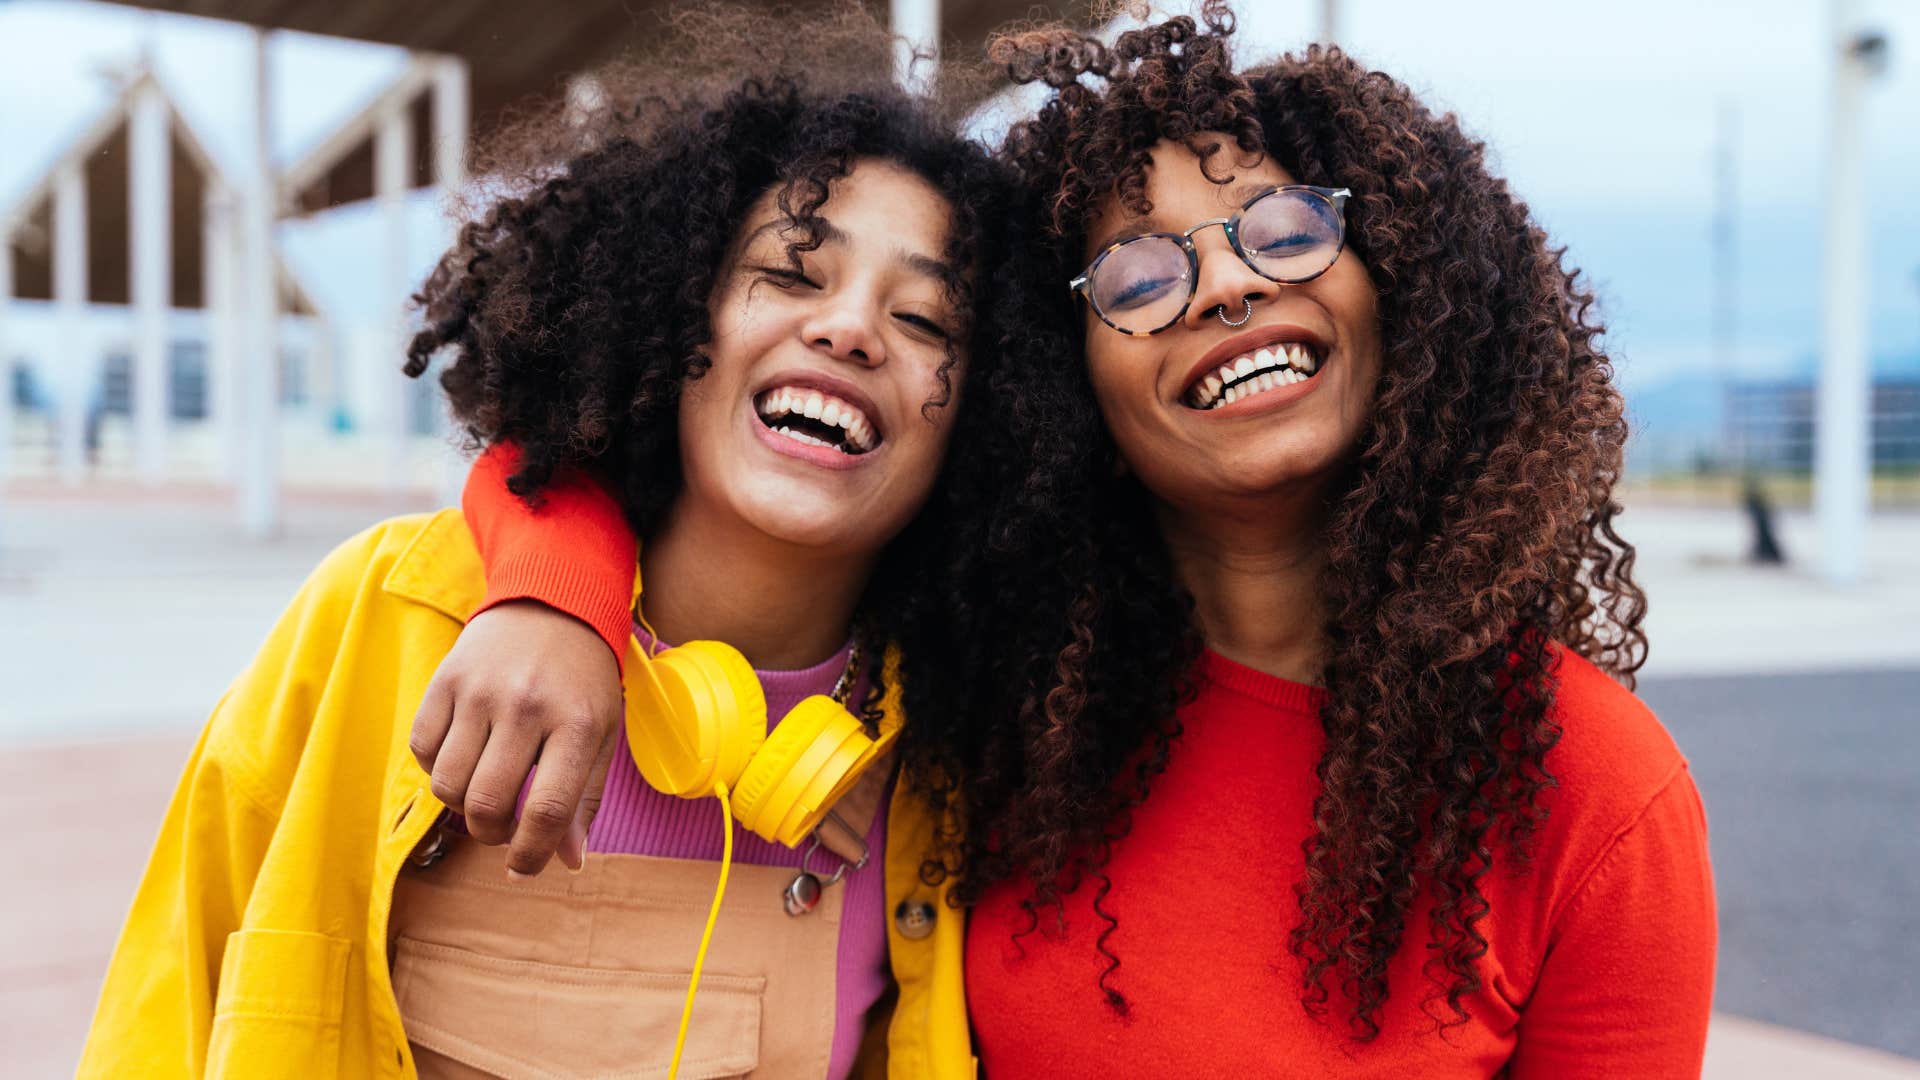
86, 815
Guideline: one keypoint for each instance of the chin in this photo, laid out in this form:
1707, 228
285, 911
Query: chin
821, 524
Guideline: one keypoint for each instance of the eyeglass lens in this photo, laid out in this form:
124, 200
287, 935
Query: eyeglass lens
1288, 236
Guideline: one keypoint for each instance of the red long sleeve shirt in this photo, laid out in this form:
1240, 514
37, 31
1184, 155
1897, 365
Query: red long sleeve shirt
1600, 955
575, 552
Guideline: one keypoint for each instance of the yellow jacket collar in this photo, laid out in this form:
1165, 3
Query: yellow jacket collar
441, 568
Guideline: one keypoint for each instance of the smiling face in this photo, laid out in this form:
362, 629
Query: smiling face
1209, 415
809, 426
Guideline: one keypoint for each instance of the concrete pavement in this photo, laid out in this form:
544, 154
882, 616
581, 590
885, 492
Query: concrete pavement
124, 614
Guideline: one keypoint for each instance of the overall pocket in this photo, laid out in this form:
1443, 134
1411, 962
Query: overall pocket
526, 1020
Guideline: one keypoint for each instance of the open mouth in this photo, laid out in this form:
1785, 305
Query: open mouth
814, 418
1256, 372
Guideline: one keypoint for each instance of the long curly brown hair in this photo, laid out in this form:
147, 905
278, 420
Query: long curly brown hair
1473, 539
573, 309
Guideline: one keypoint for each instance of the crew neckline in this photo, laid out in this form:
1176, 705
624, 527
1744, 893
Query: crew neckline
775, 681
1269, 690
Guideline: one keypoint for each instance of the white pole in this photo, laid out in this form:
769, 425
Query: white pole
77, 366
392, 176
916, 25
220, 256
1842, 453
150, 263
6, 375
259, 303
1726, 268
452, 118
1329, 21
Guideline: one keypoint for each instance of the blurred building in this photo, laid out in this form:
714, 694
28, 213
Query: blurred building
121, 261
1771, 426
159, 331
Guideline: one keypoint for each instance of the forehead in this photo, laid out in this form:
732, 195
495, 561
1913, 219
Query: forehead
1182, 193
875, 202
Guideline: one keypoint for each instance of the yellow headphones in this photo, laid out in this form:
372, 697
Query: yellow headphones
697, 725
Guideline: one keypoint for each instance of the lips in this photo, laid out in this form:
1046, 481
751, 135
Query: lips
1256, 362
1254, 373
817, 410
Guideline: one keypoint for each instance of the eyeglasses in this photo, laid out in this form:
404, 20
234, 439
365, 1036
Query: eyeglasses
1143, 284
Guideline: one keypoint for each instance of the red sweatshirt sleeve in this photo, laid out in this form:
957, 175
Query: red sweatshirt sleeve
1627, 984
575, 553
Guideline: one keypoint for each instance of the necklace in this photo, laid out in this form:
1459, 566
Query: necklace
803, 893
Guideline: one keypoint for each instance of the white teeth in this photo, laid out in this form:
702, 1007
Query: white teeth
831, 411
1264, 369
801, 436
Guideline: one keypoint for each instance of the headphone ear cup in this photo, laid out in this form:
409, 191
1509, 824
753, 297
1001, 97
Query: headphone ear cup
712, 722
813, 754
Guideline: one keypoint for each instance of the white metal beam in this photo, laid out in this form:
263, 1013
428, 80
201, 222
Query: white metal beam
150, 266
259, 301
452, 116
352, 133
917, 23
220, 260
6, 379
76, 365
392, 176
1843, 461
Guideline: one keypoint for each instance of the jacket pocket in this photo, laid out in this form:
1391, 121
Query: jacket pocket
278, 1010
524, 1020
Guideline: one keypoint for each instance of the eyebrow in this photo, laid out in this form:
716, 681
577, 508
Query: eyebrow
1135, 226
924, 265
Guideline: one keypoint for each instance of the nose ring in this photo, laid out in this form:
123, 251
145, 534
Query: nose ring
1222, 312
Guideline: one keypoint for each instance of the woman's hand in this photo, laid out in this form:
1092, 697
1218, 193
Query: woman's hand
525, 684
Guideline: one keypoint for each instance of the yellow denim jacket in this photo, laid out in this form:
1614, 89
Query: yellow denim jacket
256, 945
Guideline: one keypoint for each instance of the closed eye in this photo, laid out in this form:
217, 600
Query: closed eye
1295, 242
786, 277
924, 325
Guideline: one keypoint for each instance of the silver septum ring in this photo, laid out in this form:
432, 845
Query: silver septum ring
1222, 312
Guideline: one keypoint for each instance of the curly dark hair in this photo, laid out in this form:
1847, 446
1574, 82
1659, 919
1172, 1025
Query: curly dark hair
1472, 539
572, 311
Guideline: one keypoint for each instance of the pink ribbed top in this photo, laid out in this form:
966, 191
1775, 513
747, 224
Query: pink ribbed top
635, 819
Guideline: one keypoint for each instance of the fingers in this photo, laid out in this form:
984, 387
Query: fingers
459, 754
573, 846
566, 762
500, 776
431, 723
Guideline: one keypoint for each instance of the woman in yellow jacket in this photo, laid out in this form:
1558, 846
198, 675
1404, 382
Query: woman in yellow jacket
752, 312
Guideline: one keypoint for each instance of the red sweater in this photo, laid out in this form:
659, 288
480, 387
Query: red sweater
575, 553
1600, 960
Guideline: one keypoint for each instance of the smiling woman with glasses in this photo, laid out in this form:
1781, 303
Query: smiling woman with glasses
1331, 771
1142, 284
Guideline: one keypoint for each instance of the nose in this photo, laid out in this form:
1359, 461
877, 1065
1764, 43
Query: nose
845, 328
1225, 280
